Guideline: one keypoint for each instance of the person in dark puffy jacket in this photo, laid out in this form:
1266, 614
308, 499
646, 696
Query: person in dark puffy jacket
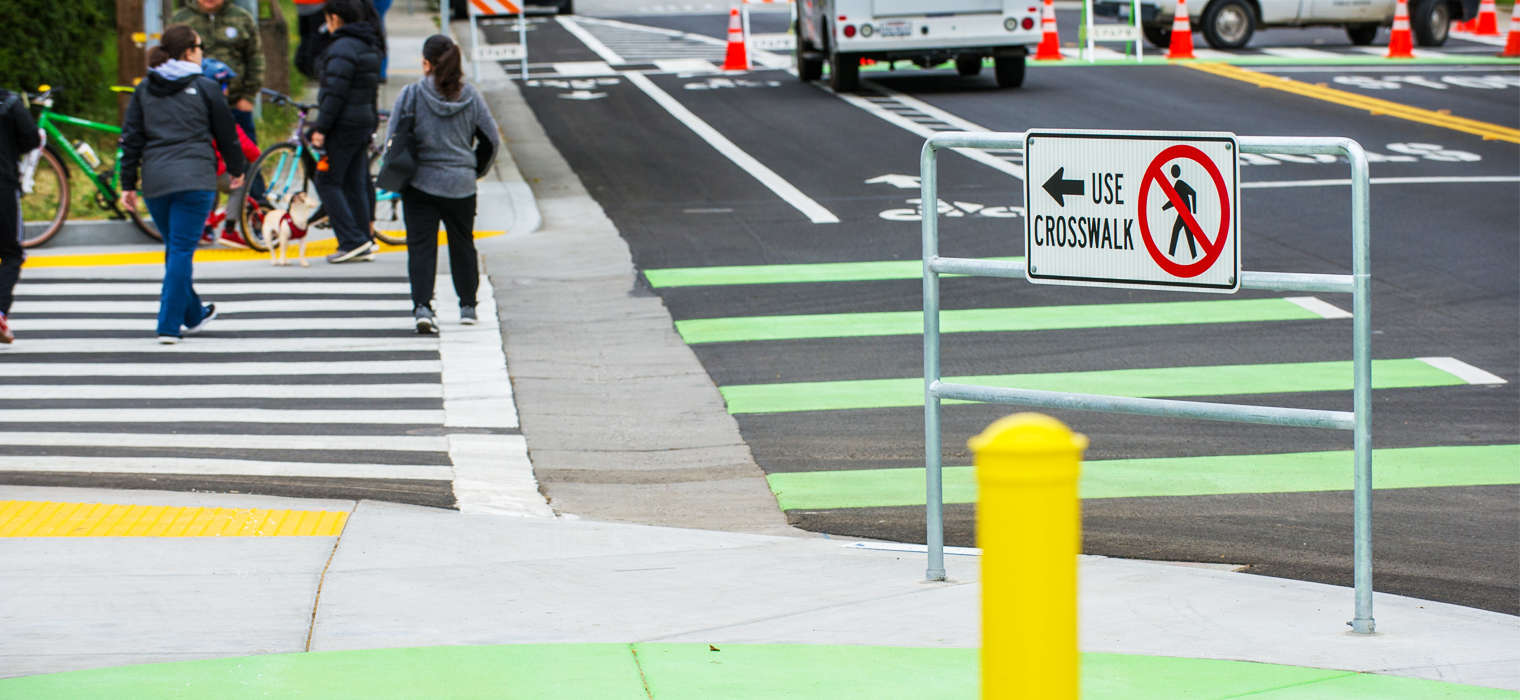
350, 80
18, 135
176, 117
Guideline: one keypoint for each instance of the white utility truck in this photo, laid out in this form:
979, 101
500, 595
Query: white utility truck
925, 32
1228, 24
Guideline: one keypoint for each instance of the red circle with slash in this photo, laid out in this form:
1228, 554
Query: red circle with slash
1211, 249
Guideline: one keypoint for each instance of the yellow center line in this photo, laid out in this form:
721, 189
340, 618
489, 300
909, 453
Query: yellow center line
1489, 132
50, 519
315, 249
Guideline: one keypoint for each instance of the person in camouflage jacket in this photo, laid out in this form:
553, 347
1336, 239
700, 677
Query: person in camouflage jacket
230, 35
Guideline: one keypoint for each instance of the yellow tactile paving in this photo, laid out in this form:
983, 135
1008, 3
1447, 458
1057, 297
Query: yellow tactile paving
50, 519
314, 250
1488, 131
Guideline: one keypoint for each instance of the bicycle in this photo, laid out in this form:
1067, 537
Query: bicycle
287, 169
46, 195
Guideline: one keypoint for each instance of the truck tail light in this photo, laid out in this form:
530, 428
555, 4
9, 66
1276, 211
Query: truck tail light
849, 31
1028, 23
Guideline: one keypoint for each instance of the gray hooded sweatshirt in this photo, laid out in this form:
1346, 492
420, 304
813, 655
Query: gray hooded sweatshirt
445, 134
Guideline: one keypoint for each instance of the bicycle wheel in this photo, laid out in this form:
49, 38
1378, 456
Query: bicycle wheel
387, 225
140, 217
285, 178
45, 203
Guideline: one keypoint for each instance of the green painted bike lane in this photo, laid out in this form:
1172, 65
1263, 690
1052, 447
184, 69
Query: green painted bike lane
699, 672
1394, 468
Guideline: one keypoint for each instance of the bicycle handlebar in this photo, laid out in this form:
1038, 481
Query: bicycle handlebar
282, 99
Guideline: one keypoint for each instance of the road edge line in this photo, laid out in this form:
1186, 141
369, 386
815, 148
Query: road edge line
1462, 370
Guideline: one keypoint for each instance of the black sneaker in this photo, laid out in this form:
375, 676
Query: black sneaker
467, 316
209, 317
426, 325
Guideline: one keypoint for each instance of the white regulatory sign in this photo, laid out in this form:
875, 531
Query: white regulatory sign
499, 52
1135, 209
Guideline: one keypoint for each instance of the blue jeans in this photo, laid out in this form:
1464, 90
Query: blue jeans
180, 217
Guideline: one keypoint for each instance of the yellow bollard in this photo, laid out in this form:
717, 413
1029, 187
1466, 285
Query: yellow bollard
1029, 526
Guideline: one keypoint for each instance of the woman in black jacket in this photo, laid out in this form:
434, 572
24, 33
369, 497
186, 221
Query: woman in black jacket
350, 87
177, 115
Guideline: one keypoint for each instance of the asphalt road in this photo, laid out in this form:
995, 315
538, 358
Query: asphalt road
1445, 285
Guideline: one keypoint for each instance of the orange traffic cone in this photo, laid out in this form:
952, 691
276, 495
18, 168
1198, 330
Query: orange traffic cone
1400, 42
1182, 33
738, 57
1050, 41
1512, 45
1487, 23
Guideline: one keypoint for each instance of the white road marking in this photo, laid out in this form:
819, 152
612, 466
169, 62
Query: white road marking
335, 366
240, 467
209, 289
146, 324
493, 476
1462, 370
1379, 181
386, 443
1211, 53
591, 42
13, 392
686, 65
1383, 51
477, 393
916, 128
584, 68
631, 45
225, 307
219, 415
1290, 52
146, 343
1490, 40
814, 211
1319, 306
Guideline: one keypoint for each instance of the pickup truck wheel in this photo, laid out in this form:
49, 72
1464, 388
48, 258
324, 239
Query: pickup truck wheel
808, 69
1009, 71
844, 72
968, 66
1431, 22
1228, 24
1362, 34
1160, 37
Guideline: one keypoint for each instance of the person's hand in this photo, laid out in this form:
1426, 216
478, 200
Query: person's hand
243, 105
128, 200
317, 138
236, 182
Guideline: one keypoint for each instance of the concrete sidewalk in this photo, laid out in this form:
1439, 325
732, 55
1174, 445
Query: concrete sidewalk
407, 576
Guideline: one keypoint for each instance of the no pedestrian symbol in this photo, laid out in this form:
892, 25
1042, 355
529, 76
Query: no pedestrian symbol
1132, 209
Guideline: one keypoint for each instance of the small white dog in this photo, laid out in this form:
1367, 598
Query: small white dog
281, 226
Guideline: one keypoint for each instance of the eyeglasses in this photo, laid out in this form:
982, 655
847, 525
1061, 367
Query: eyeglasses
197, 46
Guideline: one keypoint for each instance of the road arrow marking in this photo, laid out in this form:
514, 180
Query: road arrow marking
902, 182
588, 95
1059, 188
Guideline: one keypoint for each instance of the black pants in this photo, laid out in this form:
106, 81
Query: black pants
422, 212
344, 188
11, 253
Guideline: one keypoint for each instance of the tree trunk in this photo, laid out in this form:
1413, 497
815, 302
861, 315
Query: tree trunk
131, 49
275, 35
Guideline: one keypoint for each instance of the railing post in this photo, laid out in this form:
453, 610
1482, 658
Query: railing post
934, 510
1361, 400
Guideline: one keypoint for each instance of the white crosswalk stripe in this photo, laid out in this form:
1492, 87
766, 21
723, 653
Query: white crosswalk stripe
347, 390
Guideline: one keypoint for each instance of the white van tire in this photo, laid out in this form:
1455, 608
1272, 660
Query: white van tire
1228, 24
1009, 71
844, 72
1431, 22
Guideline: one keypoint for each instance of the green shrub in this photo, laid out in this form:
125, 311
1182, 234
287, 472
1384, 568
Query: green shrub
63, 43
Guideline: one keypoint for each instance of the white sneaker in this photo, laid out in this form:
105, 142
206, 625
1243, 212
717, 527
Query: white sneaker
169, 340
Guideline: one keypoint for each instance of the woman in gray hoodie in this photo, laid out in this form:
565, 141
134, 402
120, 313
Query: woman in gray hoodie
455, 141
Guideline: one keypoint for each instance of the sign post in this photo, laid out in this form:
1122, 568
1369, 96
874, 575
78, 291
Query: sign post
1128, 33
1132, 210
1073, 169
498, 52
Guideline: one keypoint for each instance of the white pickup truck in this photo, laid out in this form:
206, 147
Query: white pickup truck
925, 32
1228, 24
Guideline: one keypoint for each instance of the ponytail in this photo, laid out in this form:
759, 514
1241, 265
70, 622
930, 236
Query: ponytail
448, 73
157, 56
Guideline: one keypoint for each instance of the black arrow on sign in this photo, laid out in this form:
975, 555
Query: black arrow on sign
1059, 188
